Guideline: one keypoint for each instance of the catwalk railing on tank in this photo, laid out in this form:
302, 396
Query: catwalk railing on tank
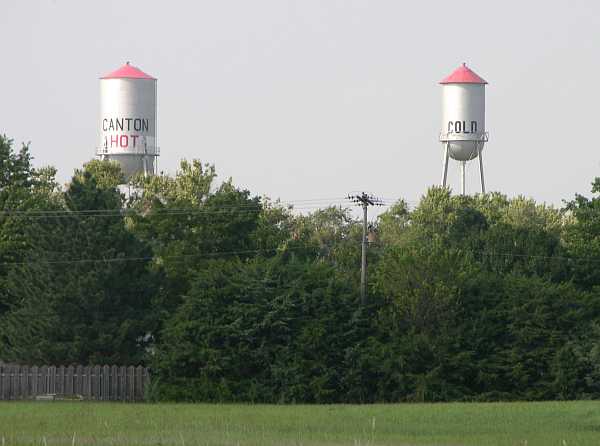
100, 383
148, 151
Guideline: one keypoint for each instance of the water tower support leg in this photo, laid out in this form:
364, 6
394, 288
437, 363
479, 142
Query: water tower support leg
145, 162
445, 165
463, 166
481, 171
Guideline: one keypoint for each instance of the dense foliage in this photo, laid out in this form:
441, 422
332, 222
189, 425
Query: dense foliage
232, 297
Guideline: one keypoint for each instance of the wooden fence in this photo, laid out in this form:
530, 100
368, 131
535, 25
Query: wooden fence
107, 383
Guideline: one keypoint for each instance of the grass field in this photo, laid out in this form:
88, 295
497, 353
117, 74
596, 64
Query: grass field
62, 423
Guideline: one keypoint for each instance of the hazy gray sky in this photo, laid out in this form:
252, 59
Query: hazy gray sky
313, 99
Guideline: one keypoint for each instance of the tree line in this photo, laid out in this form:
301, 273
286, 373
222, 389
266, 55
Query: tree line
228, 296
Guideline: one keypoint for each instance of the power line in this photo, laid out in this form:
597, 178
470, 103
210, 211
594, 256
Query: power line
149, 258
142, 214
222, 209
156, 213
483, 253
310, 201
533, 256
286, 248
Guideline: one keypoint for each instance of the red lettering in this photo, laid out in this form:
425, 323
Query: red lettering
124, 138
114, 139
134, 137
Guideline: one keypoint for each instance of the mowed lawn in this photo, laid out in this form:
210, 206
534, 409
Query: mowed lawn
66, 423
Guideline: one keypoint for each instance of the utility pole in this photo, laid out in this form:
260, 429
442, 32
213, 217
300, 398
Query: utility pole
364, 200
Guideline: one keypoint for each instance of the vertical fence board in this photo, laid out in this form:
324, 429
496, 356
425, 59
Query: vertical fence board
15, 382
92, 383
4, 382
14, 376
20, 394
24, 384
79, 380
11, 371
86, 389
139, 389
30, 382
146, 378
97, 383
7, 381
43, 382
52, 379
130, 383
123, 383
114, 383
106, 383
18, 383
60, 380
34, 380
69, 381
84, 381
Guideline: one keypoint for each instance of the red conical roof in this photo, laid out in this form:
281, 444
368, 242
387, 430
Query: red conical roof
463, 75
129, 72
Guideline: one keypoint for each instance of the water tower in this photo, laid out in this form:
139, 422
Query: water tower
128, 120
463, 121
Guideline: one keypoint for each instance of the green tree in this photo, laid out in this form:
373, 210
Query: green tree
582, 238
26, 196
187, 221
88, 292
264, 330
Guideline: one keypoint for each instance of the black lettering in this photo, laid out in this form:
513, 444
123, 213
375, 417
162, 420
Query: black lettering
139, 124
464, 126
473, 126
458, 126
450, 127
